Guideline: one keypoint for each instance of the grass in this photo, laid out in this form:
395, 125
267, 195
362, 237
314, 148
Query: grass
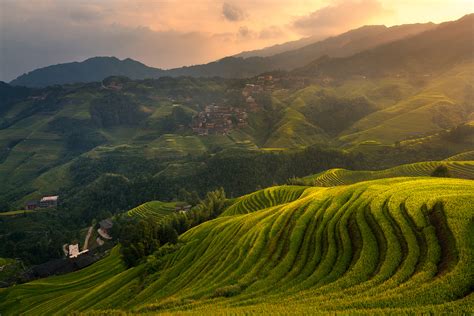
18, 212
396, 245
332, 177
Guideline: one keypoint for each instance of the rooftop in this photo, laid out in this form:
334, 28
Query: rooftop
50, 198
106, 224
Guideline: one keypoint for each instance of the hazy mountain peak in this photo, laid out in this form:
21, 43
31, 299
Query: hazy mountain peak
91, 69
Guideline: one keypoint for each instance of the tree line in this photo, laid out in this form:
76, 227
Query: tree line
140, 238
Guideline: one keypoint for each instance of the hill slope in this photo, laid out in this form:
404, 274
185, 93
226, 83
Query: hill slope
399, 245
347, 44
154, 210
458, 169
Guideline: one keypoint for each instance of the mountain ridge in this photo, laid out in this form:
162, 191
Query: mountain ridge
90, 70
98, 68
424, 53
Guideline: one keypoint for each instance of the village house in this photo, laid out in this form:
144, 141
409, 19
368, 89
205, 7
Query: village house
74, 251
252, 89
31, 205
45, 202
182, 208
99, 241
49, 201
104, 229
252, 104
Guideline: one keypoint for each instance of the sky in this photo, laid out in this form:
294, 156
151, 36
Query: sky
174, 33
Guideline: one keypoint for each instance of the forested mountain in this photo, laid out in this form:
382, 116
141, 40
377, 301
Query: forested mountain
437, 49
347, 44
279, 48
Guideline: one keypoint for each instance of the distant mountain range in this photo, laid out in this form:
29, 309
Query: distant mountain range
297, 53
279, 48
362, 41
436, 49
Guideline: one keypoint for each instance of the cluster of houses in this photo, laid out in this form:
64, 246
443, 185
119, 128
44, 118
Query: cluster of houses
262, 84
44, 202
218, 119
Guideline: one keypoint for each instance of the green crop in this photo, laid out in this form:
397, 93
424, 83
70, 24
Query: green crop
396, 245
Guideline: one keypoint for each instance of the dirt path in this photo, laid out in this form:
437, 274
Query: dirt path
86, 241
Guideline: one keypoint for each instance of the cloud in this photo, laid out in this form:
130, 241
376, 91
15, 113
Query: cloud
86, 13
271, 32
232, 12
245, 32
26, 47
340, 16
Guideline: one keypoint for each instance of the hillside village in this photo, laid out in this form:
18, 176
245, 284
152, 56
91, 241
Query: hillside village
221, 119
44, 202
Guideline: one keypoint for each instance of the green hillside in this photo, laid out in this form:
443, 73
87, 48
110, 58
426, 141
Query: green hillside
400, 245
154, 210
62, 293
148, 122
457, 169
264, 199
443, 102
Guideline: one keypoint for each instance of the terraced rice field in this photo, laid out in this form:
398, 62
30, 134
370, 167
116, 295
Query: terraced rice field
400, 245
332, 177
468, 155
93, 286
155, 210
18, 212
264, 198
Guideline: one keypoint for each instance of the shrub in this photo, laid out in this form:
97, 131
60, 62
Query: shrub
441, 171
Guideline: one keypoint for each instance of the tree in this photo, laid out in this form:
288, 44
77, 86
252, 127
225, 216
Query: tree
441, 171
